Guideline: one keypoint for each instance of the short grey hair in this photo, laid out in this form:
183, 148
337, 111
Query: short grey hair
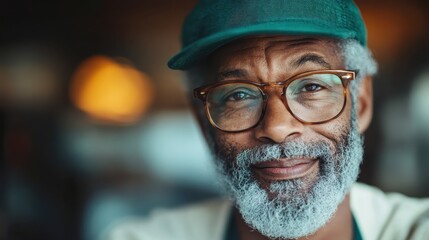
359, 58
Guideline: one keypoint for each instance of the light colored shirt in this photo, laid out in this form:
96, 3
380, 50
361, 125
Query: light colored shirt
380, 216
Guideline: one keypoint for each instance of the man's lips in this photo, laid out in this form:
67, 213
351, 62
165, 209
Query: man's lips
285, 169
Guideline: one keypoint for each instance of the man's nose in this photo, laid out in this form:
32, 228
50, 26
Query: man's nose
278, 124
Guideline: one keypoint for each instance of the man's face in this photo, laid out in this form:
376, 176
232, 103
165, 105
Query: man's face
286, 177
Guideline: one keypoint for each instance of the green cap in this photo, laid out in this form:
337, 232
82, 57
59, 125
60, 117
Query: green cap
214, 23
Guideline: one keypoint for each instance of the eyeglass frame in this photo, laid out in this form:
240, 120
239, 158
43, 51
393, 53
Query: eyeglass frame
346, 77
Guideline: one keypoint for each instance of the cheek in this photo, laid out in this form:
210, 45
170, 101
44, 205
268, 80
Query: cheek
228, 145
335, 129
224, 145
226, 142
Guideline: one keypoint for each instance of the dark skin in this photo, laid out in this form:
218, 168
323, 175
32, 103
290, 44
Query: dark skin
274, 59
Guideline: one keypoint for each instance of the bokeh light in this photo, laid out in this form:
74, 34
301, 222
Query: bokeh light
111, 91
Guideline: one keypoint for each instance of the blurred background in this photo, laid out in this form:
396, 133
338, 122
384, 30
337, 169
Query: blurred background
95, 127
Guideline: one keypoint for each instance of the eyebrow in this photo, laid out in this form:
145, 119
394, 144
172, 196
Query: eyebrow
236, 73
311, 57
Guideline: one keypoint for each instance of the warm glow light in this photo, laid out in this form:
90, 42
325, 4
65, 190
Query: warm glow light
393, 28
111, 91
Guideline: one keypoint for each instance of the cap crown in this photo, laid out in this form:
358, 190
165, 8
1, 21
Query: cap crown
213, 23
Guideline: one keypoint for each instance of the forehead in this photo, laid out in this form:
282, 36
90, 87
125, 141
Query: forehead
268, 55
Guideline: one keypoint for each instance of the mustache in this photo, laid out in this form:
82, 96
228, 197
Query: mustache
292, 149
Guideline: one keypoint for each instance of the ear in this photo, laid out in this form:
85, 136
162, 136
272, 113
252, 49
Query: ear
364, 104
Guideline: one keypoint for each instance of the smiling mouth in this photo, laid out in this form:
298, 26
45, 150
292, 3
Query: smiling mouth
285, 169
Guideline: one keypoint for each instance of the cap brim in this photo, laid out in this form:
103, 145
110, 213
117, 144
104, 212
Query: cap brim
205, 46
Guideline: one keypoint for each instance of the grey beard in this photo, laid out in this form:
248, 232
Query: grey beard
298, 208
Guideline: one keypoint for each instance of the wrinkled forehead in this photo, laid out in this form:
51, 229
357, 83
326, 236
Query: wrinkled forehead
269, 52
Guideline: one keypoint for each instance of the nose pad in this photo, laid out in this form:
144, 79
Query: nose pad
278, 123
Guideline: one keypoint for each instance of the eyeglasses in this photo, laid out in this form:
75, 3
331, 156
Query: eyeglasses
311, 97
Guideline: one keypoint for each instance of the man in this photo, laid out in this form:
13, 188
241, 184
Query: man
282, 91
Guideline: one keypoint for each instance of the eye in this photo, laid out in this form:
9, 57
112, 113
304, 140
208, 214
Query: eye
234, 93
307, 86
311, 87
238, 96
